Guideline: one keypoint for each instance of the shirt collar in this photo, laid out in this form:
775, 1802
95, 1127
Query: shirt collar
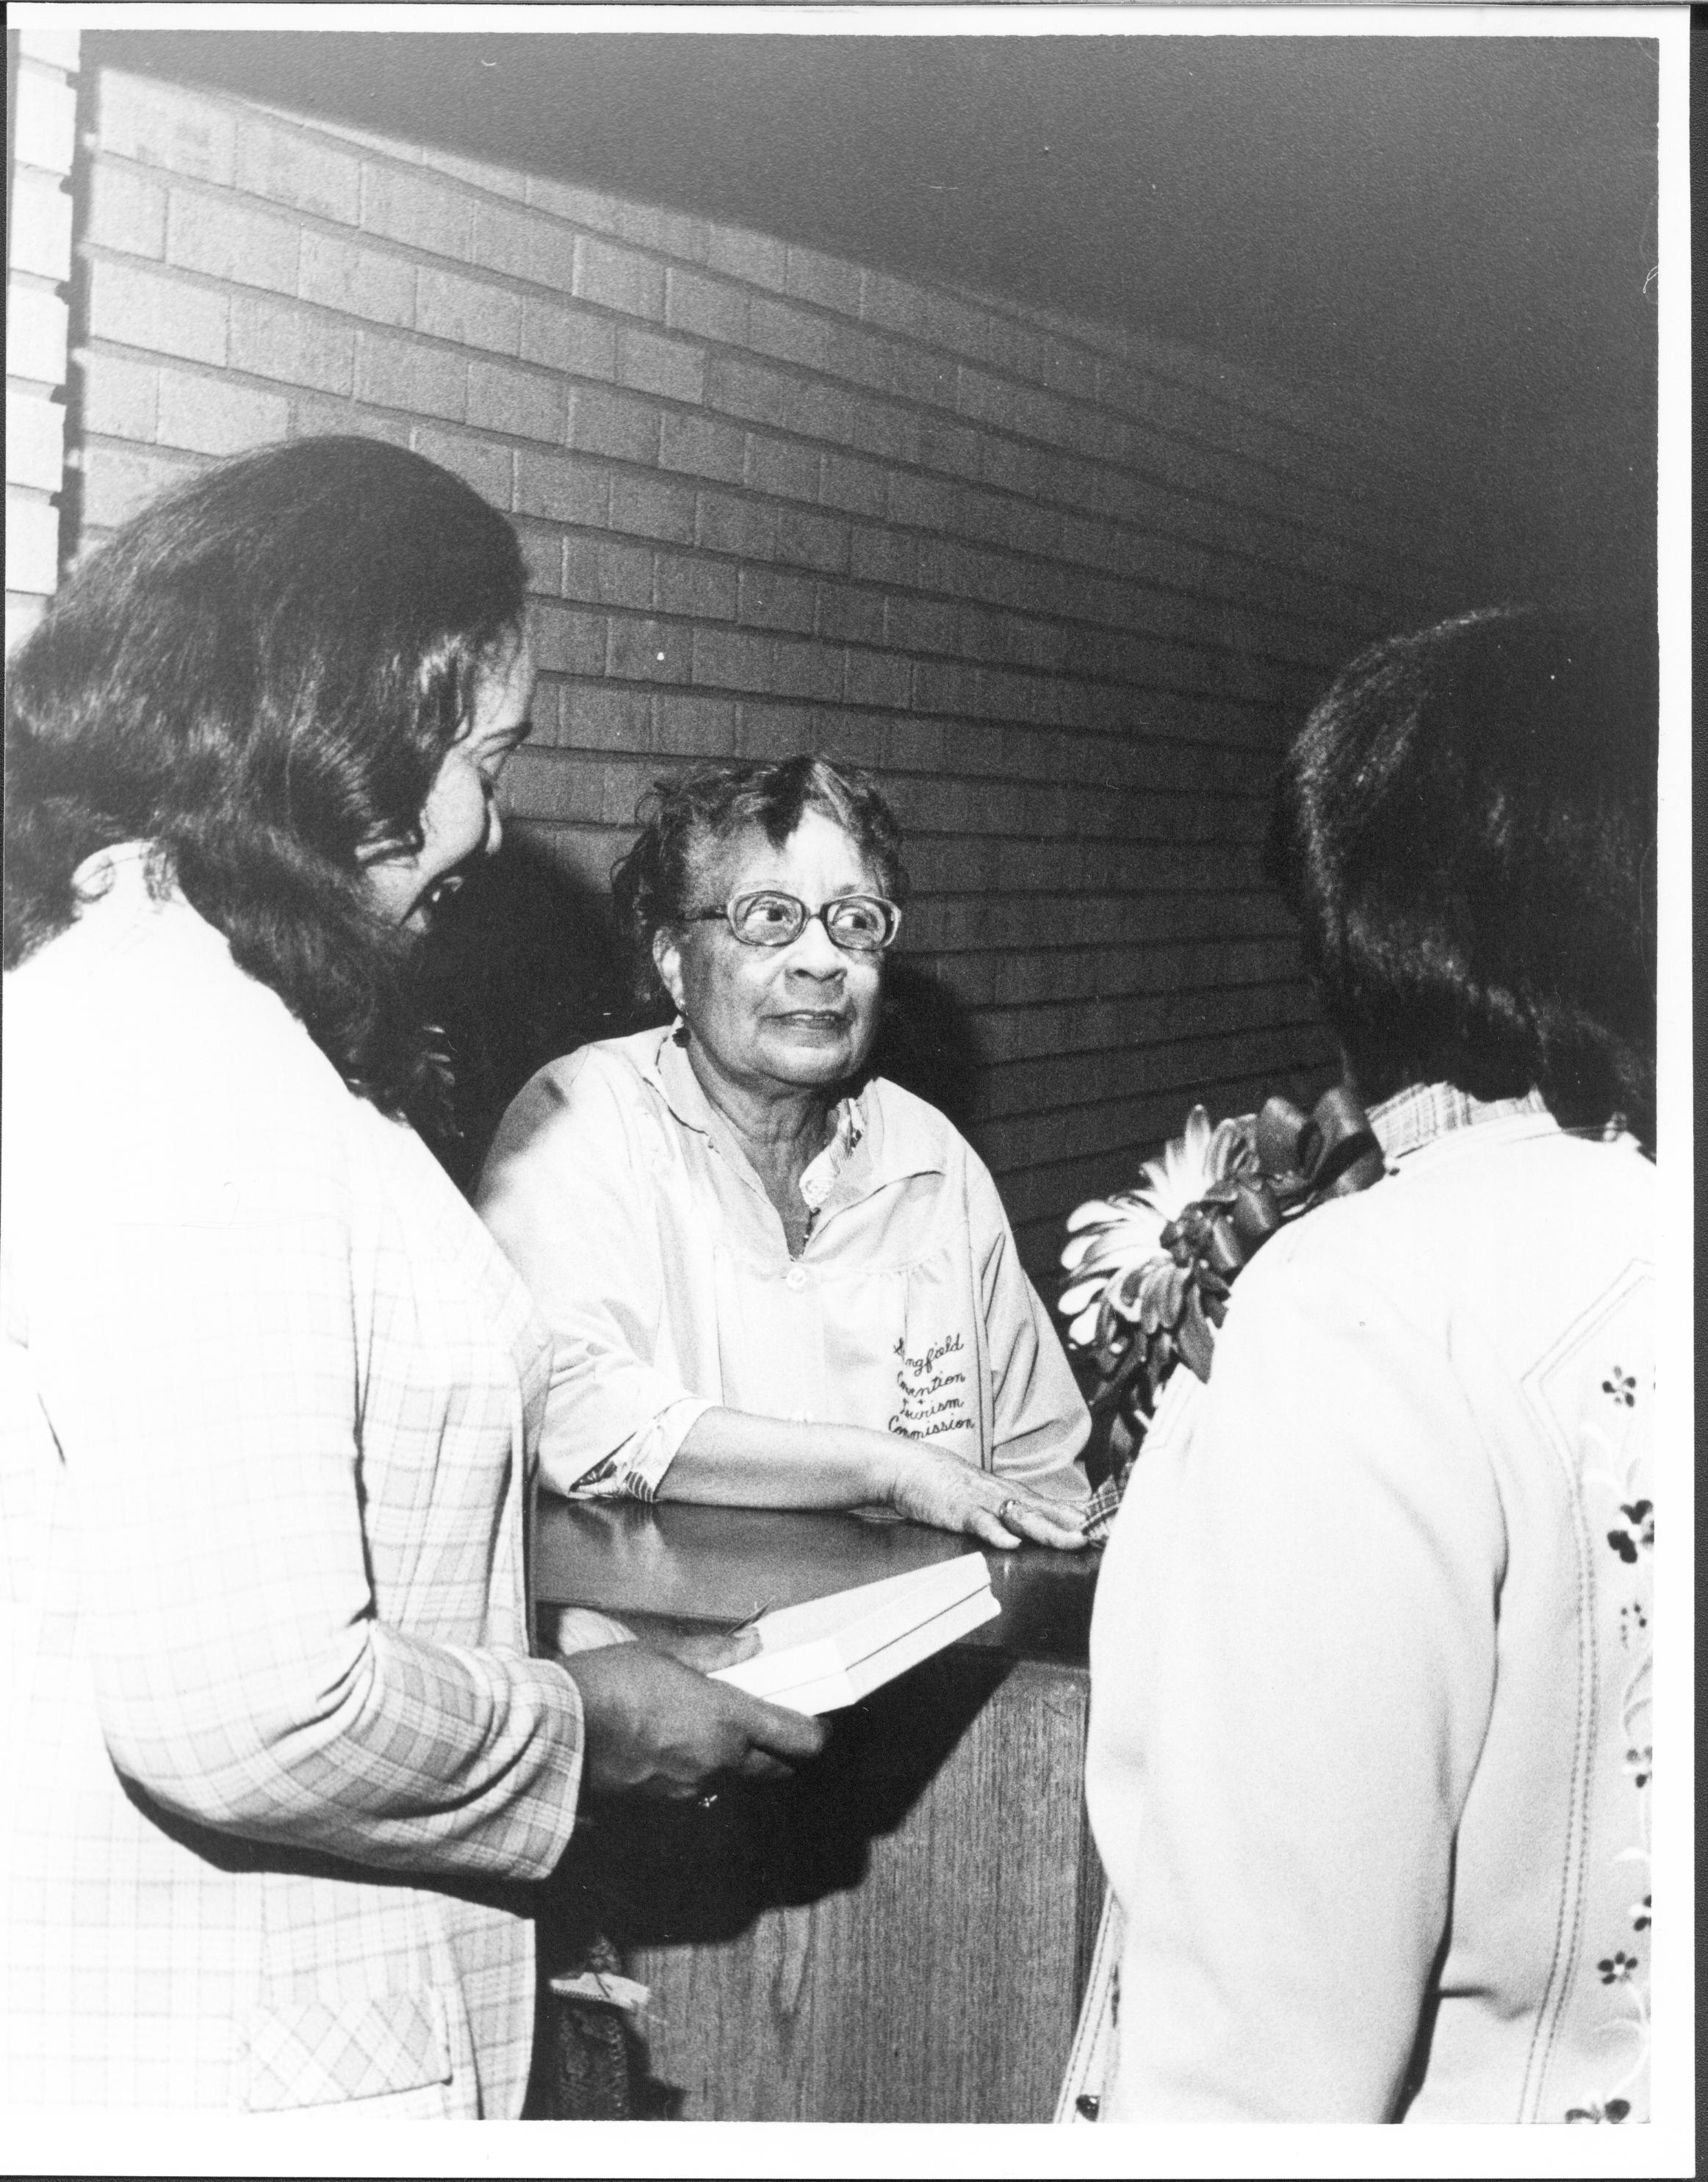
668, 1068
823, 1173
122, 866
672, 1071
1416, 1116
888, 1137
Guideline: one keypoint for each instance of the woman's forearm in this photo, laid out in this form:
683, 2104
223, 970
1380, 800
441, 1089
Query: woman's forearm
744, 1461
739, 1460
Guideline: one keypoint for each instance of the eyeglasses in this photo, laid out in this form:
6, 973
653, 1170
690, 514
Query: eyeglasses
860, 923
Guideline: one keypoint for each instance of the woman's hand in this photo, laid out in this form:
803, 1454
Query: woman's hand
951, 1495
654, 1727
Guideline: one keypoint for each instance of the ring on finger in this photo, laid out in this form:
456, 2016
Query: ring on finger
1002, 1512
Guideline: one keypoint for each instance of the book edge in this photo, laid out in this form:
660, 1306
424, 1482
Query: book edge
882, 1623
846, 1686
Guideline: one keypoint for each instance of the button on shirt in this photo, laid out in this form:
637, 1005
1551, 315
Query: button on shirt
627, 1203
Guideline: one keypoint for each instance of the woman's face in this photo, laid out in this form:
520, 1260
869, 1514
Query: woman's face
768, 1018
459, 819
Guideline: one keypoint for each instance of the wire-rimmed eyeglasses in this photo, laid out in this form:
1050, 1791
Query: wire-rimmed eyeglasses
860, 923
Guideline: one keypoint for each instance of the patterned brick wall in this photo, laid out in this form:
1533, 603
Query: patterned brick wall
41, 62
1066, 590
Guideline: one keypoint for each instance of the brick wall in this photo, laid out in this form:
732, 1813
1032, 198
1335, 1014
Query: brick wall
1065, 589
41, 64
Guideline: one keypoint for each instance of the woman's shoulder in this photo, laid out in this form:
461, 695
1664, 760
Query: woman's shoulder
908, 1119
1528, 1182
1482, 1229
608, 1067
141, 987
596, 1090
919, 1137
147, 1072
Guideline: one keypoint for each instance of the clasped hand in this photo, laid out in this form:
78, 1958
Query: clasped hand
656, 1726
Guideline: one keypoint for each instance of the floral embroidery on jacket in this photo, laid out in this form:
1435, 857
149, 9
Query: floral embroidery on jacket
1640, 1533
1618, 1450
1614, 2110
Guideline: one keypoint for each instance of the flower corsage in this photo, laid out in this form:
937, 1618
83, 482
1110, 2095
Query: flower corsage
1150, 1269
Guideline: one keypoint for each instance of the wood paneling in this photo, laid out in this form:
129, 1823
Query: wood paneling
899, 1935
902, 1932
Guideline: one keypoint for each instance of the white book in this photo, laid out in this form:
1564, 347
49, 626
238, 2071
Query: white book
848, 1684
832, 1652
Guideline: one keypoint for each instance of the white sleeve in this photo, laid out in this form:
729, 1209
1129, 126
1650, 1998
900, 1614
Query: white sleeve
568, 1198
1041, 1421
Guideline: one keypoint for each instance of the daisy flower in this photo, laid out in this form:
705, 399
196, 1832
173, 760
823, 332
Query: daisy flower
1135, 1260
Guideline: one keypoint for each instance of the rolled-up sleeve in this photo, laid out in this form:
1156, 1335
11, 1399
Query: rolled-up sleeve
1041, 1421
567, 1192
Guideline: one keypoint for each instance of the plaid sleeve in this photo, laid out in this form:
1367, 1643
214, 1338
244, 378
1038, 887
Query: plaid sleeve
193, 1326
1104, 1503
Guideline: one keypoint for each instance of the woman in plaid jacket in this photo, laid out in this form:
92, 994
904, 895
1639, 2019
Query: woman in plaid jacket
278, 1756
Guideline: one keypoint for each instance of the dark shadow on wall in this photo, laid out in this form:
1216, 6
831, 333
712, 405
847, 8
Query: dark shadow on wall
927, 1041
524, 964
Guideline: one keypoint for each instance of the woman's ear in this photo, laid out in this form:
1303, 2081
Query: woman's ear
667, 959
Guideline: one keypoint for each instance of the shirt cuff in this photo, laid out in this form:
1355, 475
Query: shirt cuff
643, 1460
568, 1629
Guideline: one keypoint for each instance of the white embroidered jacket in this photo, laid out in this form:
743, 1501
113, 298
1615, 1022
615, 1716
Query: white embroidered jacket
1369, 1754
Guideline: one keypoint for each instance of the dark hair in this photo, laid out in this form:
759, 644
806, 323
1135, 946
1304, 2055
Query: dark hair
683, 814
261, 674
1466, 826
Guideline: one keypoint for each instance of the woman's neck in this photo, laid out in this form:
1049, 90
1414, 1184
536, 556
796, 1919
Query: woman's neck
783, 1130
774, 1126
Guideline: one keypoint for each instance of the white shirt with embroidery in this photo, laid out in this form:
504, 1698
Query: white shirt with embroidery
628, 1205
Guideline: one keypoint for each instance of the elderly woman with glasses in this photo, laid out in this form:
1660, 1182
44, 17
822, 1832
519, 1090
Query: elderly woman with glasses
775, 1280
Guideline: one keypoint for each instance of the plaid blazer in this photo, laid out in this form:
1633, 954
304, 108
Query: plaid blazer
276, 1752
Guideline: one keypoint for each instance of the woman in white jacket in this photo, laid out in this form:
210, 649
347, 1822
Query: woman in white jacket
1369, 1751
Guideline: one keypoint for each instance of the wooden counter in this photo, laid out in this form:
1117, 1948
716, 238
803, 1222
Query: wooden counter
900, 1933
